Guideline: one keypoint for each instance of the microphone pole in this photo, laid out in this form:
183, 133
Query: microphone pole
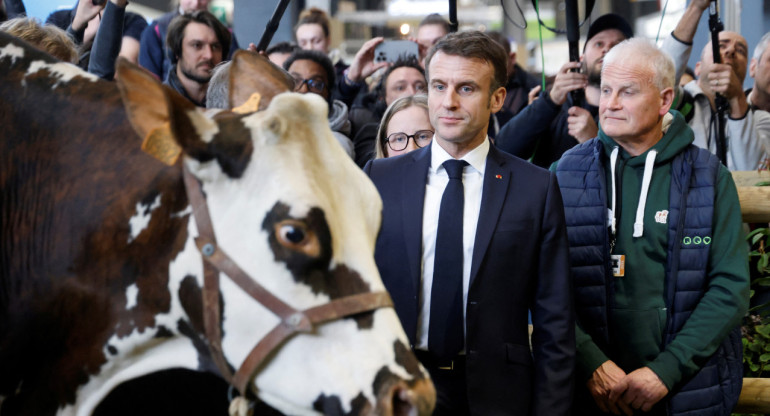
573, 39
272, 25
715, 26
453, 23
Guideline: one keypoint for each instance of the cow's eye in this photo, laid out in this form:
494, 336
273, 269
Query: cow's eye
296, 236
292, 233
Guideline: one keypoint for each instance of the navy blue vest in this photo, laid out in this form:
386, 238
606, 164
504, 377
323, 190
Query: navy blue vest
714, 390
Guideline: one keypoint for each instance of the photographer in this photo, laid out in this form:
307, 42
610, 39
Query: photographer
747, 133
554, 124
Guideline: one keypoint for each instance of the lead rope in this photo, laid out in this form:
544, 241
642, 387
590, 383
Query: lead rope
240, 406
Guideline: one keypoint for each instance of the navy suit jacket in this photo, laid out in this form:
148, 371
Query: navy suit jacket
520, 264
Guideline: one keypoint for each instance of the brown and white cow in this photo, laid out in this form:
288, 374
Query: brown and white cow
100, 296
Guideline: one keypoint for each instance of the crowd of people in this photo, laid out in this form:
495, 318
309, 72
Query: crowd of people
599, 211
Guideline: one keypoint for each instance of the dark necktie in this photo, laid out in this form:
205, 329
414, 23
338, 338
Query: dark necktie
445, 335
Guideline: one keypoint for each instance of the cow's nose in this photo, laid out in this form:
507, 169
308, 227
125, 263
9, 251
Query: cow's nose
403, 400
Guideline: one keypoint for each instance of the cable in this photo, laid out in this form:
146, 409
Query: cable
542, 52
662, 15
589, 9
507, 16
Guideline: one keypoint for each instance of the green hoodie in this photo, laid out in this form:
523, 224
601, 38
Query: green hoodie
638, 318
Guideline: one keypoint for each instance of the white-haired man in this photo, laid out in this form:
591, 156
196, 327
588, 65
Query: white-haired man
662, 282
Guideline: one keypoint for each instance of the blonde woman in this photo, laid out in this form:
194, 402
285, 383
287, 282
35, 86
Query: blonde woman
45, 37
405, 126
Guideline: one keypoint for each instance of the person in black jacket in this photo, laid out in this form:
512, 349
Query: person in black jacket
520, 82
552, 124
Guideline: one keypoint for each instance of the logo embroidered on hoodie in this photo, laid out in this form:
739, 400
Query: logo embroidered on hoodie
661, 216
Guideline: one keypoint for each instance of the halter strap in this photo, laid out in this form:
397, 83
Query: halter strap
293, 321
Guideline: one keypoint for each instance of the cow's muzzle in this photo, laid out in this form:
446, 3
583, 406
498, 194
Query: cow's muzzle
400, 398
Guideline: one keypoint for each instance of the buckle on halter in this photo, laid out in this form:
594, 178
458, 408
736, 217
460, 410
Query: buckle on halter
298, 322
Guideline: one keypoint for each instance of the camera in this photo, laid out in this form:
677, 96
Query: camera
392, 50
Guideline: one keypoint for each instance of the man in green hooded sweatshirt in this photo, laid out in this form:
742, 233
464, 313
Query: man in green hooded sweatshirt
658, 260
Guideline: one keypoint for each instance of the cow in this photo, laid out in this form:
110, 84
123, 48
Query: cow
106, 252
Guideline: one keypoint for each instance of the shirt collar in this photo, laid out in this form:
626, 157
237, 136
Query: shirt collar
477, 157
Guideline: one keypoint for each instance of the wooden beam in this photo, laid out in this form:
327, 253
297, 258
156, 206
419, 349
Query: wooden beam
755, 396
755, 200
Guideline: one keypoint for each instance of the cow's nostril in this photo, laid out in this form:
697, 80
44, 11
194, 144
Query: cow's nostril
403, 402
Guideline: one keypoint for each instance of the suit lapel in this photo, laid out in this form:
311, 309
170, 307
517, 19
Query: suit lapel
413, 178
493, 194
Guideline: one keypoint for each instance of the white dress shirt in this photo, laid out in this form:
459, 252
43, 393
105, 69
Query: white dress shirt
473, 180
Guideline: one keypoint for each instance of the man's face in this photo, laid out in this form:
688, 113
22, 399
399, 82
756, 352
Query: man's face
189, 6
309, 76
311, 36
403, 82
597, 47
458, 98
733, 50
201, 52
428, 35
760, 71
630, 106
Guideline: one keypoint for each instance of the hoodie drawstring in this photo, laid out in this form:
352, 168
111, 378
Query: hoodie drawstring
613, 161
649, 163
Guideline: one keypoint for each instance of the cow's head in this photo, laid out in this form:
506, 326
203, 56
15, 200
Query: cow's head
296, 214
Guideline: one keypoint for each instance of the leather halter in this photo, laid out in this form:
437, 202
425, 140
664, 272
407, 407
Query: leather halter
293, 321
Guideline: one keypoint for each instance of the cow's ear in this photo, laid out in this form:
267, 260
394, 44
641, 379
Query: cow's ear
253, 73
156, 110
143, 98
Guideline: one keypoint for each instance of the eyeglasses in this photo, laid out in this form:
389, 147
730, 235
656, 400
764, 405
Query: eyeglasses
313, 84
399, 141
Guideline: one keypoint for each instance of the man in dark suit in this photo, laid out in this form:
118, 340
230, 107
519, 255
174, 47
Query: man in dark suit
463, 294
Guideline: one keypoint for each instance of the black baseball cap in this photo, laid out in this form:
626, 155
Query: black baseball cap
609, 21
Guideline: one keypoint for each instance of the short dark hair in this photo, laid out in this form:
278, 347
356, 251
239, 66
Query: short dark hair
282, 47
435, 19
473, 44
321, 59
175, 35
409, 61
501, 40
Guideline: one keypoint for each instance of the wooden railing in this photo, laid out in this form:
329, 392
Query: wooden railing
755, 200
755, 207
755, 396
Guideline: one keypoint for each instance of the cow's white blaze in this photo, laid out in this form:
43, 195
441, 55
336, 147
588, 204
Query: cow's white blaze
139, 221
65, 72
11, 51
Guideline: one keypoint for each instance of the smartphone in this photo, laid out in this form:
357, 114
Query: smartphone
391, 50
98, 2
